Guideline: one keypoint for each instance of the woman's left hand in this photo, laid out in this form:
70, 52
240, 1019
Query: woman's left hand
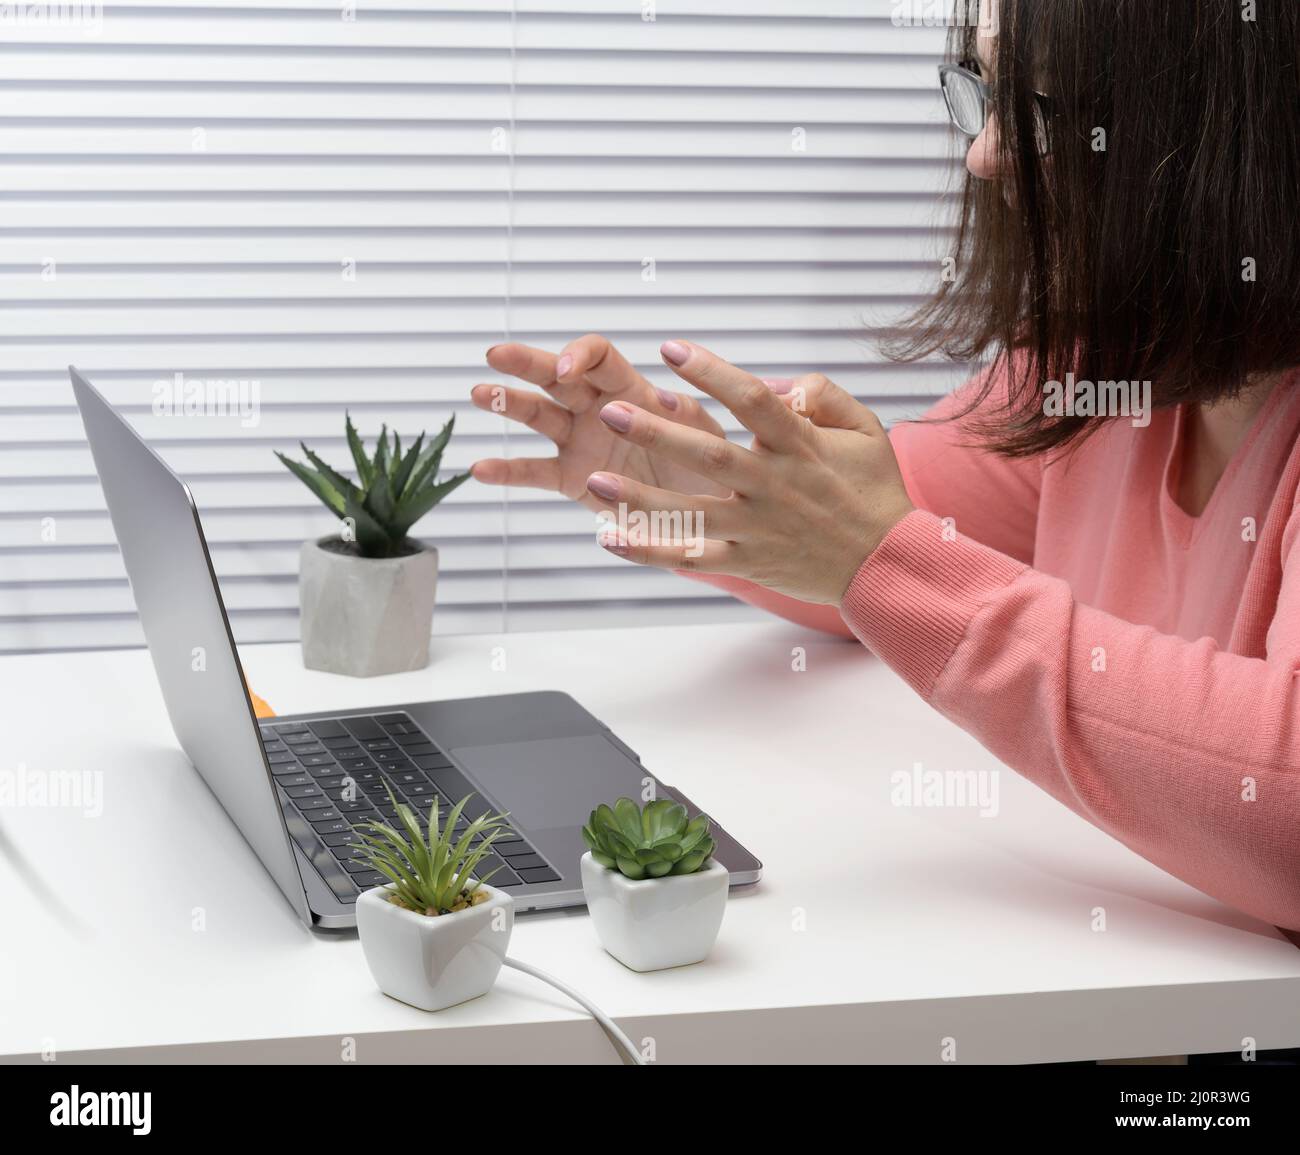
811, 499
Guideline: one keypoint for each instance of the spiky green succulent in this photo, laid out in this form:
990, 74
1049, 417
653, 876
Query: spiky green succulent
432, 871
648, 843
392, 492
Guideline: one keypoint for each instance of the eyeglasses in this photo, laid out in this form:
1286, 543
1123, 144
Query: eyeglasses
968, 97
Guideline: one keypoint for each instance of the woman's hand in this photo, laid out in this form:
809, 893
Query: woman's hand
806, 504
587, 375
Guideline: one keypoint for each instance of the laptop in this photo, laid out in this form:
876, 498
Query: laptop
296, 786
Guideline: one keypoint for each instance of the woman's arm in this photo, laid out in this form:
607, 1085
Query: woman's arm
991, 499
1185, 753
824, 619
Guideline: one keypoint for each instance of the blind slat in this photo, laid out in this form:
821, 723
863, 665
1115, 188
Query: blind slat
74, 254
116, 632
225, 358
58, 306
475, 428
538, 142
536, 108
433, 69
400, 393
208, 174
263, 212
480, 31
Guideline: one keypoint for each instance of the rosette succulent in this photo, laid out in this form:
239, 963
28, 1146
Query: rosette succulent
653, 842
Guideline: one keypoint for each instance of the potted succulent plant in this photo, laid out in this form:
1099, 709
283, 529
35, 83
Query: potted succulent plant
655, 896
366, 595
437, 934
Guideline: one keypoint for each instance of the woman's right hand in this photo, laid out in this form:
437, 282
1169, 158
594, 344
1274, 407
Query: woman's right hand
578, 382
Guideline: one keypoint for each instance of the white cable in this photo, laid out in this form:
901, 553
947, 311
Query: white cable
611, 1028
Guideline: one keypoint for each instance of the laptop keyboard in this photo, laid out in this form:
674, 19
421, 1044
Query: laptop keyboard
333, 773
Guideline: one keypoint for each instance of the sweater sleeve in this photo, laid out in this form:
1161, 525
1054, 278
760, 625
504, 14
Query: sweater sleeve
990, 498
1187, 754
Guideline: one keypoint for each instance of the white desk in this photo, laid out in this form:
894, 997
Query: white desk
877, 932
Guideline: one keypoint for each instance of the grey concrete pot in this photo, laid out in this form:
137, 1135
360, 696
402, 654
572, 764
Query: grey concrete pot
364, 616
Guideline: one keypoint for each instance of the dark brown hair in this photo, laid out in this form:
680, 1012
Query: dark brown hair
1128, 256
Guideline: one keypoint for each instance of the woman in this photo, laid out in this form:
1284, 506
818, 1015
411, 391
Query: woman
1110, 602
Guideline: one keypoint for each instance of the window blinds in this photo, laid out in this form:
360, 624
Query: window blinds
348, 205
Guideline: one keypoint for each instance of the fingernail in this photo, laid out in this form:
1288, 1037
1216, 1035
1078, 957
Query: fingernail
603, 486
489, 353
674, 352
617, 417
614, 546
563, 365
667, 398
779, 384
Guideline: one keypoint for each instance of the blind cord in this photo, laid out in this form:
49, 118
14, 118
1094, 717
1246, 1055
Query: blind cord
612, 1030
622, 1043
507, 318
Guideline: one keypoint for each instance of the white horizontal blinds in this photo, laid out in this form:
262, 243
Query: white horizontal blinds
179, 191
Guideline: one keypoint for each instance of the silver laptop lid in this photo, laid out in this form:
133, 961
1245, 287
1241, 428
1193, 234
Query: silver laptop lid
185, 625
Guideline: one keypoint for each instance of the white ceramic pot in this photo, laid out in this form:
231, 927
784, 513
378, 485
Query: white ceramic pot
364, 616
654, 923
432, 962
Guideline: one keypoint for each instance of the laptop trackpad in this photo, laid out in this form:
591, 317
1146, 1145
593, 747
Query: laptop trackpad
550, 782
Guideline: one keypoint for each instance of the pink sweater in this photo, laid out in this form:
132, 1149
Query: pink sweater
1139, 664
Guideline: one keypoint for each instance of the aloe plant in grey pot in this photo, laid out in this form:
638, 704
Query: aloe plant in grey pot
366, 595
